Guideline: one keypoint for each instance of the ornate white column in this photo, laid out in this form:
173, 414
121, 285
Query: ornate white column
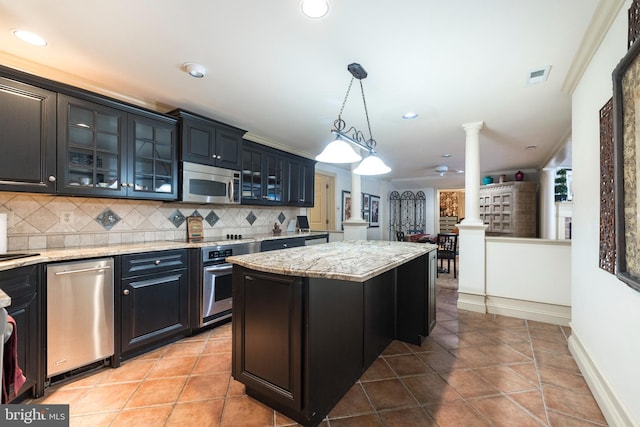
355, 228
548, 218
471, 280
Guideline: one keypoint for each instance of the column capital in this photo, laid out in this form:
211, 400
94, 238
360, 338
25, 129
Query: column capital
473, 126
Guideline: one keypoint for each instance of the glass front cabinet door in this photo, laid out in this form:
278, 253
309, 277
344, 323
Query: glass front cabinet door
109, 152
153, 164
90, 155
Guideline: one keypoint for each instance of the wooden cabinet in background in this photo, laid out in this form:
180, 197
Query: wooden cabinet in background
510, 208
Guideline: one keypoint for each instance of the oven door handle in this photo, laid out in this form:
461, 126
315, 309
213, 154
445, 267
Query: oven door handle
219, 268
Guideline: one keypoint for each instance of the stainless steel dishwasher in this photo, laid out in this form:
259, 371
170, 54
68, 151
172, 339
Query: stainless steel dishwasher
79, 314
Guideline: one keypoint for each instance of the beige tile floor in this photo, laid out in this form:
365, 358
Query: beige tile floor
474, 370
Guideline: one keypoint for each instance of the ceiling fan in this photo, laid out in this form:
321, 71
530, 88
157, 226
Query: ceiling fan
442, 170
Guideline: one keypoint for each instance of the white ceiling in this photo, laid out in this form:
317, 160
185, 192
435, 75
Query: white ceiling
282, 76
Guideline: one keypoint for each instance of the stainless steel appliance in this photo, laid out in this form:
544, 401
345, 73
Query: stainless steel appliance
79, 314
209, 184
216, 280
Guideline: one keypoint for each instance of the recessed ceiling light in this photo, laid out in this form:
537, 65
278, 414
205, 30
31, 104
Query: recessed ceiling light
447, 155
195, 70
30, 38
409, 115
314, 8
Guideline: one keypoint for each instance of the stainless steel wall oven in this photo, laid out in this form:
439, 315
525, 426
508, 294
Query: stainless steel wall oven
216, 280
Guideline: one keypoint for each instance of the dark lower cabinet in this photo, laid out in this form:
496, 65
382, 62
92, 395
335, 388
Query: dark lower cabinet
285, 243
299, 344
154, 299
24, 286
296, 345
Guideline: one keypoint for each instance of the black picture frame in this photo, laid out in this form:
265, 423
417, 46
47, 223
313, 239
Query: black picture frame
346, 206
374, 211
626, 109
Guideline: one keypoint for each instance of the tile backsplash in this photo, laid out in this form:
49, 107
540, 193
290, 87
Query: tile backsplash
39, 221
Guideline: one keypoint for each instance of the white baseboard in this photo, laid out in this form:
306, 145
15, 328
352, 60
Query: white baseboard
530, 310
613, 411
471, 302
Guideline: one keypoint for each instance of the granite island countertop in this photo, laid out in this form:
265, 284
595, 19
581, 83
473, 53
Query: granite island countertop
353, 260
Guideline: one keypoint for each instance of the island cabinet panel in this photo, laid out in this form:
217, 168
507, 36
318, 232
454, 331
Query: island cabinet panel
267, 336
432, 259
379, 315
334, 343
415, 299
297, 342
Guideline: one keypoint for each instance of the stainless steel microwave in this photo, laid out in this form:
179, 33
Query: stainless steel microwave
209, 184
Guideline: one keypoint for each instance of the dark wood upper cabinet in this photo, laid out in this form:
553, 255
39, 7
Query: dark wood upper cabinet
300, 181
209, 142
108, 152
262, 175
91, 141
27, 137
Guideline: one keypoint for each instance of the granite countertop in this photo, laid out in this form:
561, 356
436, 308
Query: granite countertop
82, 252
355, 260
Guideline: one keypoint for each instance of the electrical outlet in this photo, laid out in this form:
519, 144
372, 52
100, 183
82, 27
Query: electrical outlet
66, 217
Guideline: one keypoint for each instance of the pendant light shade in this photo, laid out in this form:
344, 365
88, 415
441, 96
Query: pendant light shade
338, 151
372, 165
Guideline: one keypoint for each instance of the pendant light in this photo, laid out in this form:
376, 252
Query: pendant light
338, 151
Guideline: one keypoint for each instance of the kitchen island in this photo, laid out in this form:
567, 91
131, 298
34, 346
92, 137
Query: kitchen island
308, 321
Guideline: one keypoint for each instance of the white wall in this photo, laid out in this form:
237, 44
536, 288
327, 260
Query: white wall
606, 312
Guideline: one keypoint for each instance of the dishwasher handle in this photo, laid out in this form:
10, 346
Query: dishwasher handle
83, 270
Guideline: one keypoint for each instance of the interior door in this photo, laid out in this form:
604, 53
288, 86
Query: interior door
322, 215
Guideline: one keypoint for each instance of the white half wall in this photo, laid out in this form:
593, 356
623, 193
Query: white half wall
529, 278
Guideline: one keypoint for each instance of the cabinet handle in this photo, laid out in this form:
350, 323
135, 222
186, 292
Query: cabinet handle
52, 178
157, 262
300, 200
284, 245
216, 157
125, 292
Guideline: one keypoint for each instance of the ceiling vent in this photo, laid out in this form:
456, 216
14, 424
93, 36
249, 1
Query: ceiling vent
538, 76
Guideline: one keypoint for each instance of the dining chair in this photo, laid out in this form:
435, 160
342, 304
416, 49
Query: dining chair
447, 250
